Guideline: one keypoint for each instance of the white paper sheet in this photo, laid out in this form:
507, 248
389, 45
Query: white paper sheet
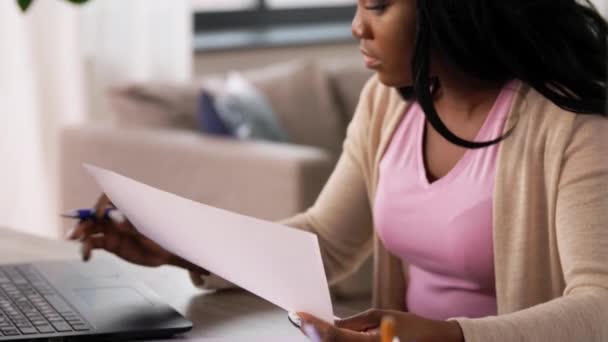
278, 263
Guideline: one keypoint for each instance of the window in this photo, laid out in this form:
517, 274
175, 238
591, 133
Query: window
231, 5
224, 5
307, 3
270, 22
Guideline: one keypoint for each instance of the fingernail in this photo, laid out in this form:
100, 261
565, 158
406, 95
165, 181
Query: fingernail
83, 253
311, 332
117, 217
295, 319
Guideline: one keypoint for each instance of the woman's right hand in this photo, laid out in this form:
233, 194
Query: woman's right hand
118, 236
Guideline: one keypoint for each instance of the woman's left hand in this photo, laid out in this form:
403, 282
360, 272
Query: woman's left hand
365, 327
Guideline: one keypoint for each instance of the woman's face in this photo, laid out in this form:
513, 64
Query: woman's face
386, 30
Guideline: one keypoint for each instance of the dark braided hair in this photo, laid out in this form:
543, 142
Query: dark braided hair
558, 47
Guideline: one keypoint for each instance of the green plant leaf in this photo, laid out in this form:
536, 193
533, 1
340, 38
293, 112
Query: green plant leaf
24, 4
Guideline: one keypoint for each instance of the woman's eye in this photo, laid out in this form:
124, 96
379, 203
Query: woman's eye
377, 8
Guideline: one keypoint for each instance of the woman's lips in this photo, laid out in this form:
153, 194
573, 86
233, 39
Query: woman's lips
370, 62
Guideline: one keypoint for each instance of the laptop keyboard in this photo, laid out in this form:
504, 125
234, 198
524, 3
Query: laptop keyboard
30, 306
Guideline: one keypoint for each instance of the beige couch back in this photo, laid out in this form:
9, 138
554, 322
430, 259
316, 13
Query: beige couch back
314, 103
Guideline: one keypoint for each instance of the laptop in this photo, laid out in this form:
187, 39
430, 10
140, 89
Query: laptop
74, 301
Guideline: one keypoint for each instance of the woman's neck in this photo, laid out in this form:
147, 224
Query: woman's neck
462, 96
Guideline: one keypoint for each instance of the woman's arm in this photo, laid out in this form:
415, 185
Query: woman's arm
581, 314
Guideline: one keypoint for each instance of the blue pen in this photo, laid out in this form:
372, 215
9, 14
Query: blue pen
84, 214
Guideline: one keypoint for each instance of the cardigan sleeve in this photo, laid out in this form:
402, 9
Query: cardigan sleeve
341, 216
581, 313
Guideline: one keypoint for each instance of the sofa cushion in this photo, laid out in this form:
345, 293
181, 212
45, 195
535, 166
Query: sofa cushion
347, 81
246, 111
301, 94
209, 121
156, 105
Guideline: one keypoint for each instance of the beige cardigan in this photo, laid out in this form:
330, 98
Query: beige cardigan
550, 219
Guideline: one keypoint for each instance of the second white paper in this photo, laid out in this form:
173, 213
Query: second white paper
280, 264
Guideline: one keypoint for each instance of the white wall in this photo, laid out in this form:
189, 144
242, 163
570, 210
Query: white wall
41, 89
134, 41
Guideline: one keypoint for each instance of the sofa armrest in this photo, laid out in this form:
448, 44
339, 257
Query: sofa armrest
265, 180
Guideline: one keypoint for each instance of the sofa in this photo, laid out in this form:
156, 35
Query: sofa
153, 138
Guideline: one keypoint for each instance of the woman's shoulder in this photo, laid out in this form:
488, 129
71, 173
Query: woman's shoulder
542, 125
378, 105
379, 95
538, 110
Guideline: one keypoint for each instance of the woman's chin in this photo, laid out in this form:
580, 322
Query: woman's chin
391, 80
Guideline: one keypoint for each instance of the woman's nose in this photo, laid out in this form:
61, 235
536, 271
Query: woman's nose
358, 26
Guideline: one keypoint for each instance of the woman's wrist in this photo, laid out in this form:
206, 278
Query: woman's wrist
442, 331
451, 332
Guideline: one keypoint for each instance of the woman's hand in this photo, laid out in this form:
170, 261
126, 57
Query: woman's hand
118, 236
365, 327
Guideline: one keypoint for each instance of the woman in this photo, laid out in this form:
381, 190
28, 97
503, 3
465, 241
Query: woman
475, 169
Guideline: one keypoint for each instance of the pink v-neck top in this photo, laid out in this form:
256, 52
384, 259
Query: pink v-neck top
443, 229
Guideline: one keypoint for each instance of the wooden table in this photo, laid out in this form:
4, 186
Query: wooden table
229, 314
